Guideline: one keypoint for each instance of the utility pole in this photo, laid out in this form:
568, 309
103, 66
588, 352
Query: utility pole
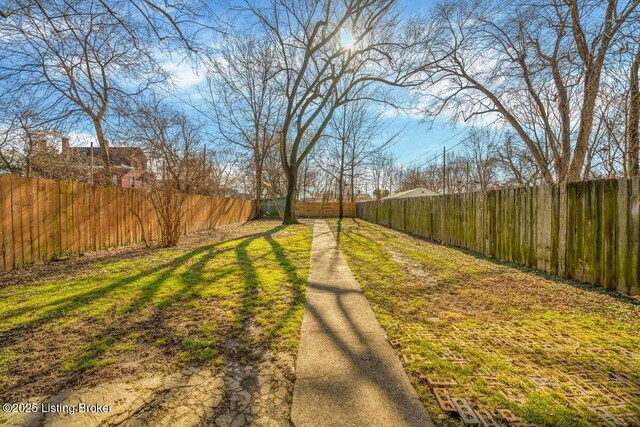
91, 154
444, 170
468, 171
204, 166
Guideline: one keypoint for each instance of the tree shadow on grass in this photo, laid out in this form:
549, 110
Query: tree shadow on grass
239, 346
64, 305
348, 234
251, 294
191, 281
249, 341
297, 290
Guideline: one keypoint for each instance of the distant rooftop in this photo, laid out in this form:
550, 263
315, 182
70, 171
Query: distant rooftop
414, 192
120, 156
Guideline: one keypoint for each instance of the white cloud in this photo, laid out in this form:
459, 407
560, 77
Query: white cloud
183, 76
81, 138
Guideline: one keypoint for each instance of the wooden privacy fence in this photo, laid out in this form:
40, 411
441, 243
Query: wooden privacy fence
588, 231
44, 219
324, 209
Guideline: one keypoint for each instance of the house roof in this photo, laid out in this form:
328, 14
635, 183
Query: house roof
363, 197
414, 192
121, 156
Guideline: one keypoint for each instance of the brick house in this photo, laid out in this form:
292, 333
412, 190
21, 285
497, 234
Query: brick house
129, 165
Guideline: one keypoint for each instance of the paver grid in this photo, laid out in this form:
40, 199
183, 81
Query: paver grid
613, 396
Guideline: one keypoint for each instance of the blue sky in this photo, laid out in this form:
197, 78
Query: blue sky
420, 141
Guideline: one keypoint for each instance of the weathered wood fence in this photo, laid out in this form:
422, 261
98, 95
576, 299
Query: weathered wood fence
588, 231
44, 219
324, 209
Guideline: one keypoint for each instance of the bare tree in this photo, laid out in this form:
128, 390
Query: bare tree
536, 66
480, 162
227, 168
381, 166
77, 59
29, 146
273, 172
309, 177
328, 54
174, 146
175, 23
355, 133
10, 144
370, 135
429, 176
242, 93
517, 166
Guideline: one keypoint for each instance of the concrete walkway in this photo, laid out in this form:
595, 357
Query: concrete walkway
347, 373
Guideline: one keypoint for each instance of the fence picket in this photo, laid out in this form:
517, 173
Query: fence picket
44, 219
588, 231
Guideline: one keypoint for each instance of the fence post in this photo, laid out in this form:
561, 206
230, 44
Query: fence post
562, 230
404, 215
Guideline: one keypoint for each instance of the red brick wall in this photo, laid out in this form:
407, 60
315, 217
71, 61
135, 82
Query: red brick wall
137, 174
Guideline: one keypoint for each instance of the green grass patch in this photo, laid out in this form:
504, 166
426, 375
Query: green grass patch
240, 298
92, 357
548, 350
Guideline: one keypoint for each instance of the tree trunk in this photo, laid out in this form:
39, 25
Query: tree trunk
28, 166
633, 118
290, 208
591, 84
104, 151
258, 187
352, 186
304, 181
341, 185
29, 154
352, 174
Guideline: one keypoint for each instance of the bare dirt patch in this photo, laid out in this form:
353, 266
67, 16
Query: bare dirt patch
419, 276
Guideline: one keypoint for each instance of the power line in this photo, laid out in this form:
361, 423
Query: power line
451, 148
441, 154
441, 144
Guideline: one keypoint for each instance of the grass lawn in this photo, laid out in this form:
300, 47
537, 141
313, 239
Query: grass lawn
156, 311
522, 346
